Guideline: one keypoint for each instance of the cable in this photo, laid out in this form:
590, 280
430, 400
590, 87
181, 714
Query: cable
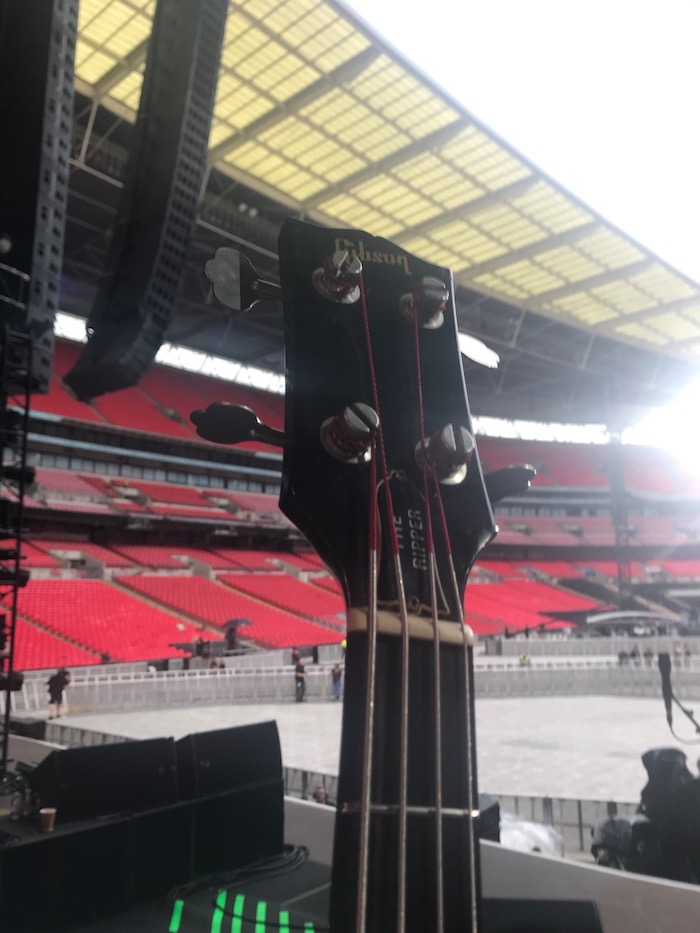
683, 741
292, 858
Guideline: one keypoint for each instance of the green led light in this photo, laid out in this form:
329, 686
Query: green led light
176, 917
309, 927
284, 921
237, 922
260, 912
218, 915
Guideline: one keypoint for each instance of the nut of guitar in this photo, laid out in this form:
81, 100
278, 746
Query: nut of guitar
419, 627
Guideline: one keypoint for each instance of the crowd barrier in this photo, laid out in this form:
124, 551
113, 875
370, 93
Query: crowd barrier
591, 647
96, 690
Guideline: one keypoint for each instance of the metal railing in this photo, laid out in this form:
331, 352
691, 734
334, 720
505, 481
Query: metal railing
138, 690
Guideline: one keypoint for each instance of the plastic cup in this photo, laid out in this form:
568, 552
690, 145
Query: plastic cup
47, 819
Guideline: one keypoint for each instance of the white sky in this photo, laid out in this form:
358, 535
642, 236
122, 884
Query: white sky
602, 95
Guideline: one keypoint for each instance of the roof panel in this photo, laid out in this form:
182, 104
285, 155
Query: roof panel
308, 101
585, 309
569, 263
623, 296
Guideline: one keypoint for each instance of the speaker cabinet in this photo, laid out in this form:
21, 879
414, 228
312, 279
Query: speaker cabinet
228, 759
37, 51
160, 198
234, 777
104, 779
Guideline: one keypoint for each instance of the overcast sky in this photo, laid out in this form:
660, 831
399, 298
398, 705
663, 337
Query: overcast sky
601, 95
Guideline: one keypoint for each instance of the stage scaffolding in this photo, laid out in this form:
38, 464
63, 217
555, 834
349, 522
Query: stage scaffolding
15, 477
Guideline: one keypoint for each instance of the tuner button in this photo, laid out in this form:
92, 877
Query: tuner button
224, 423
448, 452
427, 300
338, 278
348, 436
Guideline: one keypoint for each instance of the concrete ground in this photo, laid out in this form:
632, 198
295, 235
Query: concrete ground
586, 747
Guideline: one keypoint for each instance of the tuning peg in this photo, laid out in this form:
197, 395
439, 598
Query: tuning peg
235, 281
224, 423
427, 301
338, 278
447, 452
509, 481
348, 436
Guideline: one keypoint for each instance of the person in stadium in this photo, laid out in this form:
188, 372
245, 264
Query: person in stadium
336, 678
300, 679
57, 683
321, 795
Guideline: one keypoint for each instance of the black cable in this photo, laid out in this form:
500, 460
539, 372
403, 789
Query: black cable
289, 860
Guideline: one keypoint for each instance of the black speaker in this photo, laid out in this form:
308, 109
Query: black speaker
229, 759
58, 879
237, 828
234, 777
37, 51
105, 779
160, 199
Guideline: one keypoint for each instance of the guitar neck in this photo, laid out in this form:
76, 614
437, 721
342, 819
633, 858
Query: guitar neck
460, 854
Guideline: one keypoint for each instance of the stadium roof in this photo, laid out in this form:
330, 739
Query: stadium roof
315, 118
321, 117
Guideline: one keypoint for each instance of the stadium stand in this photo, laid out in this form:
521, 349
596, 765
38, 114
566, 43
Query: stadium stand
105, 555
102, 618
565, 532
36, 649
65, 483
166, 493
261, 560
292, 595
328, 583
215, 604
37, 557
158, 557
556, 569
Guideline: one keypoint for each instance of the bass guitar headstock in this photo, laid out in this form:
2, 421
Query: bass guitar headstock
371, 348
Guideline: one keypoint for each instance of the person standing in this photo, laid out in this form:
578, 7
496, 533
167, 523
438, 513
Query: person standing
57, 683
300, 680
336, 678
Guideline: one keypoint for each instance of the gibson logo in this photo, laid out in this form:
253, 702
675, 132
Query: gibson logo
387, 259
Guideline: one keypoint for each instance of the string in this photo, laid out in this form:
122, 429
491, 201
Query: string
432, 565
403, 616
366, 792
469, 694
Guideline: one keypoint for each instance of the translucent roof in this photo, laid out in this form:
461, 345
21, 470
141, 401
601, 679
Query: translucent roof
314, 112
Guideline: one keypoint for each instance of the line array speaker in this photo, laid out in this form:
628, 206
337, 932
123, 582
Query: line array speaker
99, 780
37, 53
160, 198
227, 759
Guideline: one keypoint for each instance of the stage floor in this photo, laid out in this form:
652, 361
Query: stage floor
581, 747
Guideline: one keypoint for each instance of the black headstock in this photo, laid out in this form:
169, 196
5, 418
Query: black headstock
338, 363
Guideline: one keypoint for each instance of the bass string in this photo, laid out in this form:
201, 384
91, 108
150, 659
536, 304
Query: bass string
366, 788
469, 696
437, 675
363, 868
